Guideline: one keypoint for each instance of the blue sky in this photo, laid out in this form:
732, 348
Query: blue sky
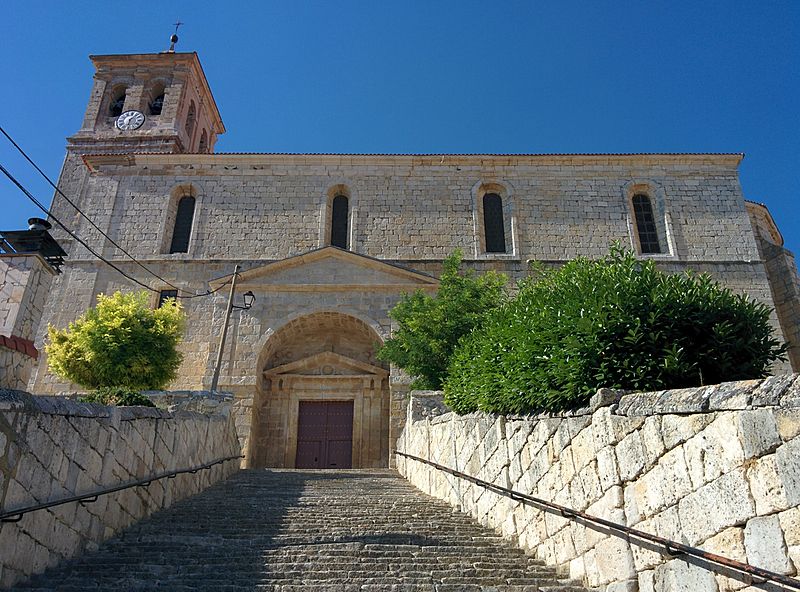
436, 76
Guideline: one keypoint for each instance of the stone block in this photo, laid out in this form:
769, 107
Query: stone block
729, 543
766, 486
790, 525
679, 576
614, 560
770, 391
765, 545
791, 397
788, 422
652, 439
647, 581
689, 400
638, 404
625, 586
714, 451
630, 455
724, 502
604, 397
758, 432
609, 428
607, 468
577, 569
732, 395
677, 429
787, 458
667, 525
583, 447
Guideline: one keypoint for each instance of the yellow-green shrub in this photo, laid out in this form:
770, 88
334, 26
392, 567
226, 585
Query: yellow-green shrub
120, 342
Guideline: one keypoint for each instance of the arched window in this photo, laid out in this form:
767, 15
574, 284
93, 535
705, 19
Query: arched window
117, 102
183, 225
493, 226
190, 119
339, 222
645, 224
157, 105
203, 148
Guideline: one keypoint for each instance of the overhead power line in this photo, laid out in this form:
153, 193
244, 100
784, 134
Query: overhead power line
55, 219
88, 219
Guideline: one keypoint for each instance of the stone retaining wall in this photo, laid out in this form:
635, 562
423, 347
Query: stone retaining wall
52, 448
715, 467
16, 366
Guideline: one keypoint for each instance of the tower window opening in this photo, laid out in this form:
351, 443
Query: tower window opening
157, 105
339, 212
191, 116
203, 148
117, 104
493, 225
645, 224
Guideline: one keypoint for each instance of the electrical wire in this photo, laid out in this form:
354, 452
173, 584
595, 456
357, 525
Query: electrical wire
44, 209
70, 202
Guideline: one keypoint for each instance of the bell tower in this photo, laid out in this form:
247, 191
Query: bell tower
157, 102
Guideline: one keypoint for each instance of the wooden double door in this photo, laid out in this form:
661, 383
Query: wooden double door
325, 435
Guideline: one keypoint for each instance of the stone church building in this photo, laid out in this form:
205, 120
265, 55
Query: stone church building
328, 243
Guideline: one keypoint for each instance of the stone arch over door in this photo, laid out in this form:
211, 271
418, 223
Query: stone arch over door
323, 356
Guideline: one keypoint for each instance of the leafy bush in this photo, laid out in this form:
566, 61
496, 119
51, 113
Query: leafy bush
121, 342
617, 322
430, 327
117, 395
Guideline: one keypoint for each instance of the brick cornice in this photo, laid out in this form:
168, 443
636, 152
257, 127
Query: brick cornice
19, 344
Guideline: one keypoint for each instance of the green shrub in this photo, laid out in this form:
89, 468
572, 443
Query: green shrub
617, 322
120, 342
429, 328
117, 395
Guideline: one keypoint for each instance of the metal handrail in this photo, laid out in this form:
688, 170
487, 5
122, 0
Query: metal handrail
671, 548
87, 498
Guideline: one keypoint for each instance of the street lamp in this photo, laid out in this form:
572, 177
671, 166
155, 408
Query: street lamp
248, 298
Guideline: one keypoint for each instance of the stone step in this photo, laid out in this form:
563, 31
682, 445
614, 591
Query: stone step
325, 531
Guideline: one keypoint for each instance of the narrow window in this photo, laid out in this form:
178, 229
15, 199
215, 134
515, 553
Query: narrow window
164, 295
157, 105
203, 143
190, 119
645, 224
493, 227
339, 222
117, 103
183, 225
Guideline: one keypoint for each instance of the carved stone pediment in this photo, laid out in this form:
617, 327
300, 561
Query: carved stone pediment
326, 365
331, 269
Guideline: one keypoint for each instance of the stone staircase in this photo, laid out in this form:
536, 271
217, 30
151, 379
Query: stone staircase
287, 531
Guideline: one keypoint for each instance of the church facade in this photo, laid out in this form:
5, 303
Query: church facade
328, 243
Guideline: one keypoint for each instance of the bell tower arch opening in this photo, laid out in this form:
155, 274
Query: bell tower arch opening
323, 396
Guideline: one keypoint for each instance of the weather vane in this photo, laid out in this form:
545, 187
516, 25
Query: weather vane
174, 37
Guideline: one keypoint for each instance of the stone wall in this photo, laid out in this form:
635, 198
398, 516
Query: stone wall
715, 467
413, 207
52, 448
24, 284
785, 285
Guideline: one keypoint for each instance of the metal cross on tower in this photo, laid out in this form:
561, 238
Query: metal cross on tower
174, 37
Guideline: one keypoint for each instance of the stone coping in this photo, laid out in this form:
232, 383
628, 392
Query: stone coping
15, 400
782, 390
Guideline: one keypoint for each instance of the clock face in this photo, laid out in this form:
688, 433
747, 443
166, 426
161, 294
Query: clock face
130, 120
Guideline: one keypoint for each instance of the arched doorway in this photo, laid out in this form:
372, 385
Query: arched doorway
323, 397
